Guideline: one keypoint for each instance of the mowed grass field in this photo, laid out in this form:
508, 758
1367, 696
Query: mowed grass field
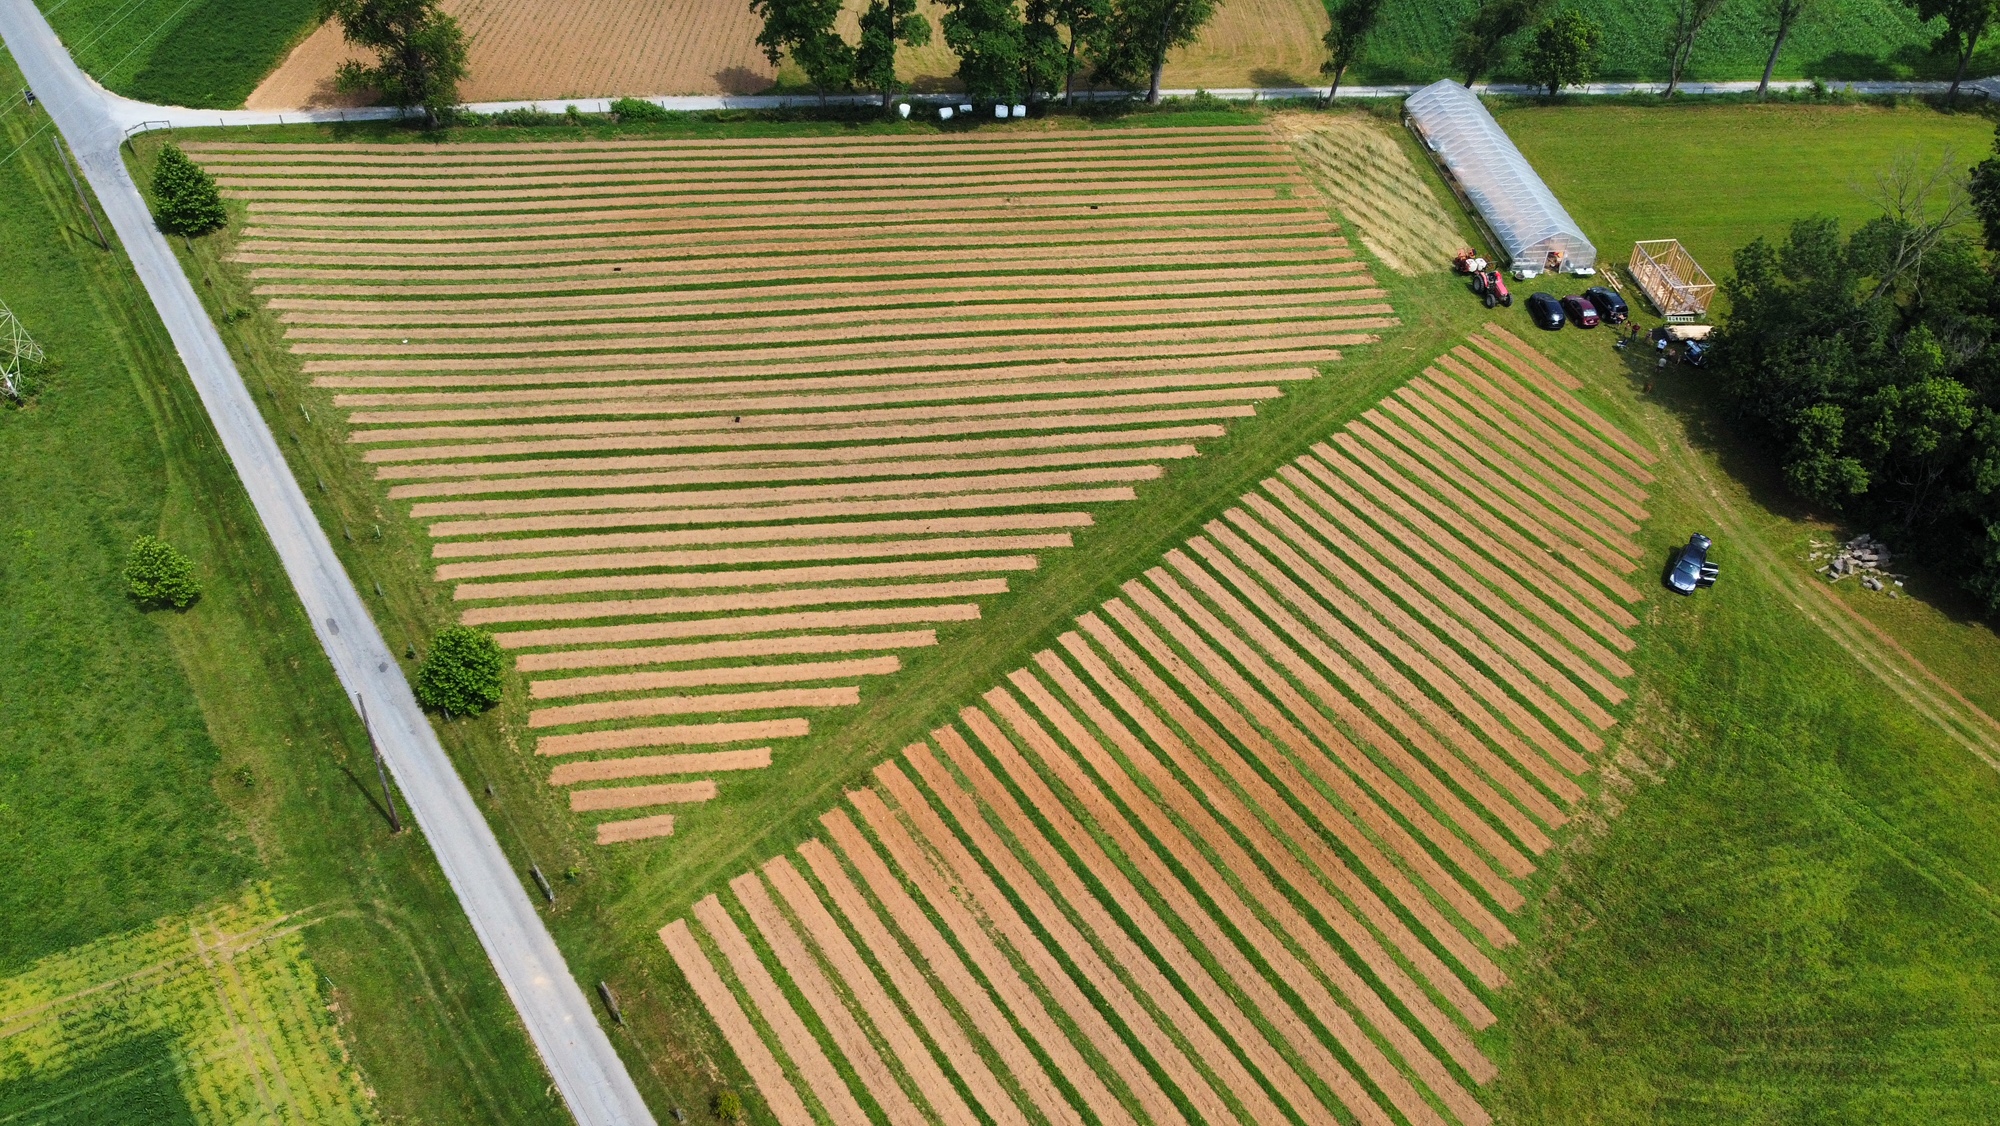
207, 54
160, 766
1647, 1023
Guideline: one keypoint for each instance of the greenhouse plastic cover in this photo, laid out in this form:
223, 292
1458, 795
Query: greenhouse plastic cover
1519, 208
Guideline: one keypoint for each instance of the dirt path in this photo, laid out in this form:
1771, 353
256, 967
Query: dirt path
698, 762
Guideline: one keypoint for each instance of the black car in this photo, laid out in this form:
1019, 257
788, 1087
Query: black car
1546, 311
1691, 568
1611, 308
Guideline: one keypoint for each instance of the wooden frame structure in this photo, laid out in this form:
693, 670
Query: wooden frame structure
1672, 280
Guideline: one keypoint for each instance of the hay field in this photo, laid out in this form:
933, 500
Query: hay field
1243, 845
545, 49
1368, 176
714, 434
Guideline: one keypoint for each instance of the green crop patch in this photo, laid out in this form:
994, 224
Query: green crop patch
205, 54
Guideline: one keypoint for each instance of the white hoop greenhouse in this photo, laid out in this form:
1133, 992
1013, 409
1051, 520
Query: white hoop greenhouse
1490, 174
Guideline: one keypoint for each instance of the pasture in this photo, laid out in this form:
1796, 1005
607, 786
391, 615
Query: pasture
208, 54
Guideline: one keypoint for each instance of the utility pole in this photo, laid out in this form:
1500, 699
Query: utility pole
63, 155
381, 771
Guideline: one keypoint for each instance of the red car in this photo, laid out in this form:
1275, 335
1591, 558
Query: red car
1492, 289
1580, 311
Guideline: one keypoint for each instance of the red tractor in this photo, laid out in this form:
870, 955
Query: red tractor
1492, 288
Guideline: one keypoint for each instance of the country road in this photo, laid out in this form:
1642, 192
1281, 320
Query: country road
559, 1018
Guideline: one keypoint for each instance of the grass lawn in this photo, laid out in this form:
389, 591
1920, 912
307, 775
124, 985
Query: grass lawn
155, 763
1795, 924
208, 54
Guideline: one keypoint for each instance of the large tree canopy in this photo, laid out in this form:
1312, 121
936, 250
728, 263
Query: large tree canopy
419, 52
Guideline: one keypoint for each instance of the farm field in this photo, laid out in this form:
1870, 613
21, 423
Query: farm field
1307, 697
207, 54
164, 770
701, 490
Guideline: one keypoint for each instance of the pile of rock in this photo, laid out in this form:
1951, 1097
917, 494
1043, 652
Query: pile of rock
1864, 557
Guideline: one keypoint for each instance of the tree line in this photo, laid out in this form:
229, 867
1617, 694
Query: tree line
1865, 359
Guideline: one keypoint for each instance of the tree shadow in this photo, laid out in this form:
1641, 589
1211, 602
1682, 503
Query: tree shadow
1265, 76
741, 80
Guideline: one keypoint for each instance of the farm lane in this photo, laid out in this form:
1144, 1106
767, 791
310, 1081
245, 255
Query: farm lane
559, 1018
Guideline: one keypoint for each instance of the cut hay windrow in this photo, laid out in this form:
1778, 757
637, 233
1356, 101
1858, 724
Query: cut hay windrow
753, 624
654, 766
1605, 505
1564, 410
1610, 472
681, 735
638, 797
865, 204
873, 1000
1524, 358
628, 560
712, 703
709, 677
756, 494
714, 580
857, 529
780, 1097
724, 603
716, 650
798, 1043
782, 513
810, 980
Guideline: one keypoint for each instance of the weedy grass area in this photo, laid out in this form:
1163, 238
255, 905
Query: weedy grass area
204, 54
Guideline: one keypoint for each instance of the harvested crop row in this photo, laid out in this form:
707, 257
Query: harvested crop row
745, 495
780, 1096
684, 735
742, 624
1521, 408
725, 206
712, 676
712, 650
793, 533
781, 513
636, 829
638, 797
779, 576
729, 556
692, 153
723, 603
713, 703
1604, 508
1556, 391
653, 766
1135, 135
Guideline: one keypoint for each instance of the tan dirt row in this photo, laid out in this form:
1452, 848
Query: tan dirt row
1560, 557
1522, 350
780, 1097
1107, 445
709, 677
276, 161
912, 142
1303, 983
742, 624
1013, 991
950, 971
711, 650
609, 492
792, 1035
716, 703
1344, 779
1373, 554
637, 797
683, 735
951, 545
1441, 526
925, 568
810, 980
1319, 952
697, 762
1504, 402
722, 603
873, 1000
1527, 403
1602, 506
1025, 521
859, 207
782, 513
1558, 392
1178, 1015
1335, 873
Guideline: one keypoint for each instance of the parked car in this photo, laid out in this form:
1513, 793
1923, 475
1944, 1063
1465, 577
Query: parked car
1694, 353
1610, 307
1690, 567
1581, 312
1546, 311
1492, 288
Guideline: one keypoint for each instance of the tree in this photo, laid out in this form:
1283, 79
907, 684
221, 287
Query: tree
804, 30
991, 40
419, 52
1564, 51
1965, 21
884, 24
185, 201
1085, 22
1143, 31
462, 671
157, 574
729, 1106
1690, 16
1783, 16
1481, 46
1352, 20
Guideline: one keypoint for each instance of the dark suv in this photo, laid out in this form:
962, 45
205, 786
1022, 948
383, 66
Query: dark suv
1546, 311
1690, 567
1610, 306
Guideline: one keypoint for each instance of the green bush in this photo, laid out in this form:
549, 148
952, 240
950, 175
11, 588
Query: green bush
158, 574
185, 201
461, 674
639, 109
729, 1106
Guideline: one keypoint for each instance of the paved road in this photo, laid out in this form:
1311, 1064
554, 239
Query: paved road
560, 1019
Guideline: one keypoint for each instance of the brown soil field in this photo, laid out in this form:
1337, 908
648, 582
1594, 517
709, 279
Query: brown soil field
637, 829
635, 797
743, 624
1362, 168
811, 981
780, 1098
714, 675
754, 495
869, 995
686, 735
849, 530
779, 514
798, 1043
950, 545
720, 603
696, 580
711, 650
697, 762
716, 703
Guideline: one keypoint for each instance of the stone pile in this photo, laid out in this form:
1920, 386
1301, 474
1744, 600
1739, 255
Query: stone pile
1863, 557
